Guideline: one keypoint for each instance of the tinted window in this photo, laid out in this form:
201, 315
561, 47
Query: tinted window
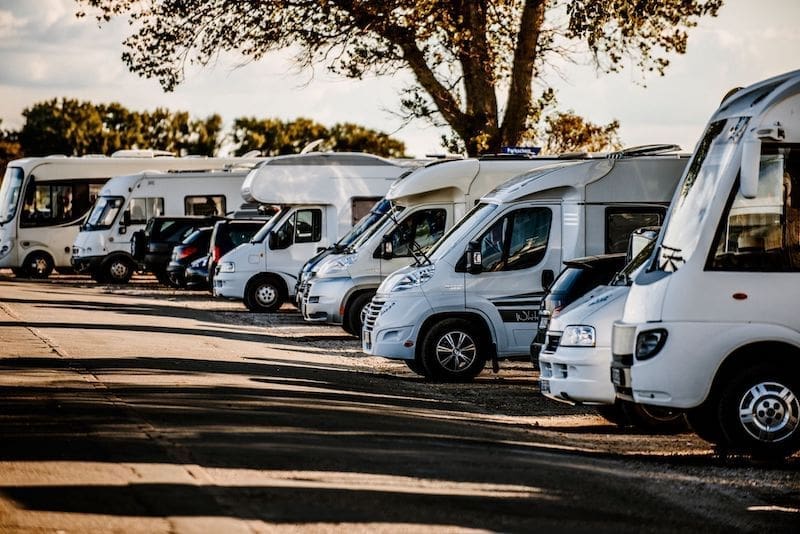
143, 209
621, 222
51, 203
205, 205
516, 241
424, 227
308, 226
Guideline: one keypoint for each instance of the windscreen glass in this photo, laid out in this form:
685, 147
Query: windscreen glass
9, 193
104, 212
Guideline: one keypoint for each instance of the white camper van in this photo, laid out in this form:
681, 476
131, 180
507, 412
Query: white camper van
712, 325
425, 204
321, 196
125, 204
477, 293
43, 201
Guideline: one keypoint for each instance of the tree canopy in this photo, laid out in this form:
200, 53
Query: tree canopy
478, 65
72, 127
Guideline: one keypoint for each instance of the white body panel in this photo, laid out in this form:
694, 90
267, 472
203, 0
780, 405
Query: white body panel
506, 302
18, 240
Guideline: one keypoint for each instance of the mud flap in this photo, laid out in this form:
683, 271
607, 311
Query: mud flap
495, 363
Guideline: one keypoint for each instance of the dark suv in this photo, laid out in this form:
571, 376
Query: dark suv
226, 236
193, 247
578, 277
152, 247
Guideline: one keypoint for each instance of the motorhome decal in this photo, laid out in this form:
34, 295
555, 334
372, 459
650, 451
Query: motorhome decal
520, 308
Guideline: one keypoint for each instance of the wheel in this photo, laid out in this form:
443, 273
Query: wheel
655, 418
38, 265
704, 420
19, 272
98, 275
263, 295
354, 315
162, 277
415, 366
117, 270
759, 411
452, 351
176, 280
613, 413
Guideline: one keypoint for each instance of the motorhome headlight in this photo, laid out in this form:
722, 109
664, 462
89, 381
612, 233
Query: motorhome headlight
578, 336
227, 267
333, 269
414, 278
649, 343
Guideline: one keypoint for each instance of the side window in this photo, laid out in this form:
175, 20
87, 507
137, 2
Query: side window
205, 205
762, 234
517, 241
425, 227
308, 226
145, 208
47, 204
621, 222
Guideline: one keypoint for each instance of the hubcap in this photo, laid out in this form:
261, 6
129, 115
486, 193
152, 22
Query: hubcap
456, 351
118, 270
769, 412
39, 265
266, 294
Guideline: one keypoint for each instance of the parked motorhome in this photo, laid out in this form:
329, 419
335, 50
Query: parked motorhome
43, 202
711, 325
425, 204
321, 196
476, 294
125, 204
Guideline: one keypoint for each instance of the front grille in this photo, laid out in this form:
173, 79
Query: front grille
552, 342
373, 311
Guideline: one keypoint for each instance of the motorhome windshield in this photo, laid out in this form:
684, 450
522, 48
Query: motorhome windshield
9, 193
365, 224
104, 213
713, 161
625, 276
476, 216
262, 234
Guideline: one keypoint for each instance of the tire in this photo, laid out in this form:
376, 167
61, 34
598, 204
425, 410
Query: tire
759, 411
176, 280
704, 420
162, 278
655, 418
353, 315
138, 242
613, 413
38, 265
263, 295
415, 366
19, 272
452, 351
99, 276
116, 270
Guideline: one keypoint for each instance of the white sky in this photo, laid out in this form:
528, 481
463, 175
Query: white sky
46, 52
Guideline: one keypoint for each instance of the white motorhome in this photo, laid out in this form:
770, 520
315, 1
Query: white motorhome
478, 292
43, 202
125, 204
711, 326
426, 203
321, 196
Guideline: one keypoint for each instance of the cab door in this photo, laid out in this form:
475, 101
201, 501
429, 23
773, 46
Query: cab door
520, 250
296, 240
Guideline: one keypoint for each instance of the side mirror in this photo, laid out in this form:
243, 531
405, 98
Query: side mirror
272, 240
387, 248
751, 161
548, 277
474, 258
126, 218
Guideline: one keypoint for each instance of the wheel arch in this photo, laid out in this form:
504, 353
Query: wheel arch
759, 352
268, 275
477, 319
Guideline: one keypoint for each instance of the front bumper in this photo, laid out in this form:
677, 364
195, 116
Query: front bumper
577, 375
393, 324
324, 298
84, 264
230, 285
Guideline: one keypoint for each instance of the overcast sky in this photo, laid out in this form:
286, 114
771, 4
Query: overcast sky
46, 52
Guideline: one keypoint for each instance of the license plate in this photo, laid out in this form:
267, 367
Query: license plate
616, 376
544, 386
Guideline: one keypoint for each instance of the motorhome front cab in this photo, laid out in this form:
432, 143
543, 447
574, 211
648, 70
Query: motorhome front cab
321, 196
477, 294
43, 202
125, 204
426, 203
712, 327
